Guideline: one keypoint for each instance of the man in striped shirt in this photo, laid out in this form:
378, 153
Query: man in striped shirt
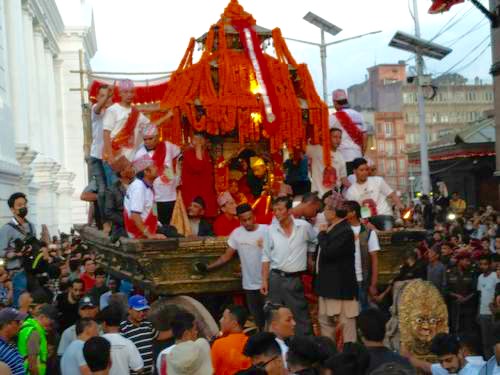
140, 331
10, 322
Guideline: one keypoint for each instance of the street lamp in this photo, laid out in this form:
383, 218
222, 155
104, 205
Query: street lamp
421, 48
330, 28
412, 181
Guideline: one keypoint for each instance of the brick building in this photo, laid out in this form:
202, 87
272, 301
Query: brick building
451, 106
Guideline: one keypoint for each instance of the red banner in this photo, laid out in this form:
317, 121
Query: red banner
143, 93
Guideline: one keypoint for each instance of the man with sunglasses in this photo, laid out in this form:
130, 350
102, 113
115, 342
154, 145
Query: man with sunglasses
10, 323
265, 353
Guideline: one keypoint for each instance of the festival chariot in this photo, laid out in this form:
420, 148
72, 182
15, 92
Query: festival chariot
245, 97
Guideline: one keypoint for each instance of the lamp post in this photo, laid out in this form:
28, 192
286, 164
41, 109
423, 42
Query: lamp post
412, 182
326, 27
421, 48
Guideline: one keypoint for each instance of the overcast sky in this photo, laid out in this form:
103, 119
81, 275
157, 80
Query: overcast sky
152, 35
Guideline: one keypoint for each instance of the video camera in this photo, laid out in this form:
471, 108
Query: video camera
29, 250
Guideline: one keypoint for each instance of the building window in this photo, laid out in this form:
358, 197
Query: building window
402, 181
435, 117
402, 165
445, 117
401, 147
389, 148
460, 96
380, 145
389, 129
381, 166
391, 167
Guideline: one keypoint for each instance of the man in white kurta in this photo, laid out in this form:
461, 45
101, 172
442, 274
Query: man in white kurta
315, 154
115, 123
164, 155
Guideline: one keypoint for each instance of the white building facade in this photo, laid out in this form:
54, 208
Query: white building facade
41, 132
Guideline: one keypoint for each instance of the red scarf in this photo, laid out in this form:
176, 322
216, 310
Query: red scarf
350, 127
125, 137
159, 157
151, 224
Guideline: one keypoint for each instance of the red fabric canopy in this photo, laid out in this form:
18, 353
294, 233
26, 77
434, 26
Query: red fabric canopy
143, 93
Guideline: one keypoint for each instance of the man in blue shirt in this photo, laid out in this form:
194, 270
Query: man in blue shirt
10, 322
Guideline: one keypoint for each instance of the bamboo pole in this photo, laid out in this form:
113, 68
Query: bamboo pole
87, 126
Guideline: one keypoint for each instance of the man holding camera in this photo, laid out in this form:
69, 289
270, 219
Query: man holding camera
16, 230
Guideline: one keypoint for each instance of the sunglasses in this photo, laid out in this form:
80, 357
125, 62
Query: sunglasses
263, 365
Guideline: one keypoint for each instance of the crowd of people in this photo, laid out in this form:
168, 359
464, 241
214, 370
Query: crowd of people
314, 304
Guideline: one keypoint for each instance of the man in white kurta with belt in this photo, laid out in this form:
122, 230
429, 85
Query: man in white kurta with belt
139, 218
122, 124
354, 136
164, 155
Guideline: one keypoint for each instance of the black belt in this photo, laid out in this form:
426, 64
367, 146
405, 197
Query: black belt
288, 274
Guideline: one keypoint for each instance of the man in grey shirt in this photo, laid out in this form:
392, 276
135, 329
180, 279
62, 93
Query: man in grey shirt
436, 271
18, 228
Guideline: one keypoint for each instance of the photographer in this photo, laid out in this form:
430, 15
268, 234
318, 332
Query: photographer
18, 228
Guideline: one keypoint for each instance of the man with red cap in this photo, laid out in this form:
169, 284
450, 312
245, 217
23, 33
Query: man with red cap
227, 221
122, 124
354, 136
138, 216
164, 156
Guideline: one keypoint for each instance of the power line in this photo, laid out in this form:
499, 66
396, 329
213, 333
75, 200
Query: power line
477, 26
475, 59
467, 55
448, 25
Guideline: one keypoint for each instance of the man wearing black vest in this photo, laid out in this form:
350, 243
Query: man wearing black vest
335, 281
18, 228
366, 261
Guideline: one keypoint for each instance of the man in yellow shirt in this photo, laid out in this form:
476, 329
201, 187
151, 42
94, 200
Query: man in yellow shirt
457, 204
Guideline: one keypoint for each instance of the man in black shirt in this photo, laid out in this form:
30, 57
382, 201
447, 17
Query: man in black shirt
371, 324
67, 305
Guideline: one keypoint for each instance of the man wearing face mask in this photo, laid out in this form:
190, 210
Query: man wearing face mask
18, 228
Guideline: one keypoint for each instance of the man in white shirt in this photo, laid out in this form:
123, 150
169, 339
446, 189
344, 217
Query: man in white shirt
124, 353
72, 361
492, 367
315, 154
164, 155
451, 357
184, 329
103, 176
372, 194
122, 125
286, 250
486, 284
138, 216
247, 241
281, 322
354, 136
365, 257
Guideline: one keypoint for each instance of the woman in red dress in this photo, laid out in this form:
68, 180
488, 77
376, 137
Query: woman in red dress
198, 175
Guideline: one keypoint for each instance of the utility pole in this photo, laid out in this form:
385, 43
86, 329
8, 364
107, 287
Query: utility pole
322, 50
424, 154
495, 72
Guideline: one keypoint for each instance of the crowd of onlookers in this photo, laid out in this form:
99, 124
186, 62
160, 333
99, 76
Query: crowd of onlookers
71, 317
